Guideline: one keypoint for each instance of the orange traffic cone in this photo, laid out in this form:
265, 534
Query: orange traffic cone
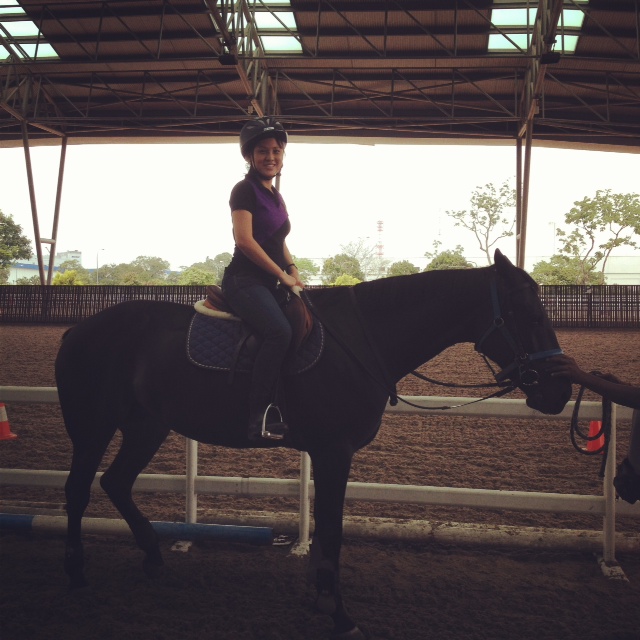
595, 427
5, 429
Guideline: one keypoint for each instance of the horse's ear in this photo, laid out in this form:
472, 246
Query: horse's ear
501, 261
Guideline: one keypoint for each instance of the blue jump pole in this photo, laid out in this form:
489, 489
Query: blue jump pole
18, 523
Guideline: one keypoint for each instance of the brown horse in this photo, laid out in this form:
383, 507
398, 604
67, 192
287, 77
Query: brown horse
127, 368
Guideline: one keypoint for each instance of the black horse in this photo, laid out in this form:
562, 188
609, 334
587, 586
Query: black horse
126, 368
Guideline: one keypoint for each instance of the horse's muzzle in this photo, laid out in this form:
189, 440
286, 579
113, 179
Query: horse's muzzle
549, 396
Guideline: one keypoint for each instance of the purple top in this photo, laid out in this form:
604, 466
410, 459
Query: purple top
270, 228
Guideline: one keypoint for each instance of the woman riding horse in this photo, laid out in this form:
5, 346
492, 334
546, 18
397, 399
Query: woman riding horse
126, 368
261, 262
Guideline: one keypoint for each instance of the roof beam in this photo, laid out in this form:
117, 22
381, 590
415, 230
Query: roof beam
542, 42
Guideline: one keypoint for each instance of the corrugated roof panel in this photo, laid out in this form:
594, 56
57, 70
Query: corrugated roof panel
172, 65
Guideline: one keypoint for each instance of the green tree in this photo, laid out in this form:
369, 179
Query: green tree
215, 267
487, 218
450, 259
306, 268
143, 270
13, 245
193, 276
111, 274
602, 224
338, 265
372, 265
402, 268
563, 269
151, 270
80, 274
345, 280
69, 277
31, 280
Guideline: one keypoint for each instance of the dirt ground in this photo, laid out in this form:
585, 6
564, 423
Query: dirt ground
399, 591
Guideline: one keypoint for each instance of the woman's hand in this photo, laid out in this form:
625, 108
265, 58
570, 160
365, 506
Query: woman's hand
564, 365
289, 280
294, 274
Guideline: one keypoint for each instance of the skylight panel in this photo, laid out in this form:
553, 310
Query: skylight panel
275, 18
281, 44
23, 36
566, 43
10, 8
279, 3
39, 51
515, 26
515, 42
279, 20
572, 18
513, 17
21, 28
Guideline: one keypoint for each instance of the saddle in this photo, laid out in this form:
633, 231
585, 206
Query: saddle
295, 310
218, 339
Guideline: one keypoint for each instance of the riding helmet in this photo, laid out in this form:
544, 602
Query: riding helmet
255, 130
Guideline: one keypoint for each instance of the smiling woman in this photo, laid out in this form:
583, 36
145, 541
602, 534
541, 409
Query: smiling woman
262, 266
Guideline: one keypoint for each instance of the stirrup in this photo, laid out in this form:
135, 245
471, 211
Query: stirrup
274, 430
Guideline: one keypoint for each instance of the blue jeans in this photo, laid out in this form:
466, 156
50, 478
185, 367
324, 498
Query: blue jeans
257, 306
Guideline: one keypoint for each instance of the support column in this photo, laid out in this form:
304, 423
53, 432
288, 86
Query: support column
32, 197
518, 196
522, 231
56, 212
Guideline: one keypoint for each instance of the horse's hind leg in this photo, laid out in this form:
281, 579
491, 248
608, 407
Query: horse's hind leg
87, 455
140, 441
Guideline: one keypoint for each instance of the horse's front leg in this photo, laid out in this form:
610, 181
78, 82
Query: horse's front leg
330, 473
140, 442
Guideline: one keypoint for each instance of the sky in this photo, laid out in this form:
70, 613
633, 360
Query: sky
171, 200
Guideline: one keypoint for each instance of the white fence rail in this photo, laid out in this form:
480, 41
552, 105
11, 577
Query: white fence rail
192, 485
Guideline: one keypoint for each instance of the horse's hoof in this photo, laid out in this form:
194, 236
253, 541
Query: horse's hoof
352, 634
152, 568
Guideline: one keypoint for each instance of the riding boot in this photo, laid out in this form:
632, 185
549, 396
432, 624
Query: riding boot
262, 426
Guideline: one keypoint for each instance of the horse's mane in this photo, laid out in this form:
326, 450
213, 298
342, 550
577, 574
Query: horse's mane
399, 290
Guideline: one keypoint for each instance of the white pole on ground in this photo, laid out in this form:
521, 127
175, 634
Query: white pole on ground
302, 546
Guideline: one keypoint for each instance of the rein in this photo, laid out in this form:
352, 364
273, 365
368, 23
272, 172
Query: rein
605, 429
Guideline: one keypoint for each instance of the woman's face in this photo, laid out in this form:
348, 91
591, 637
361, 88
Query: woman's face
268, 156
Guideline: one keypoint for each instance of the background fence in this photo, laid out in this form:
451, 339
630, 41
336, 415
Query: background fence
612, 306
569, 306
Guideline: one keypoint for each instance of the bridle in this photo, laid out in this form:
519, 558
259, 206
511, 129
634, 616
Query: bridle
520, 370
505, 382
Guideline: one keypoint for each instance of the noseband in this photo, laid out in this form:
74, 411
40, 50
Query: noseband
520, 370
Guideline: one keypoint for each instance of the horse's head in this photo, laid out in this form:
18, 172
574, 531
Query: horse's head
520, 339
